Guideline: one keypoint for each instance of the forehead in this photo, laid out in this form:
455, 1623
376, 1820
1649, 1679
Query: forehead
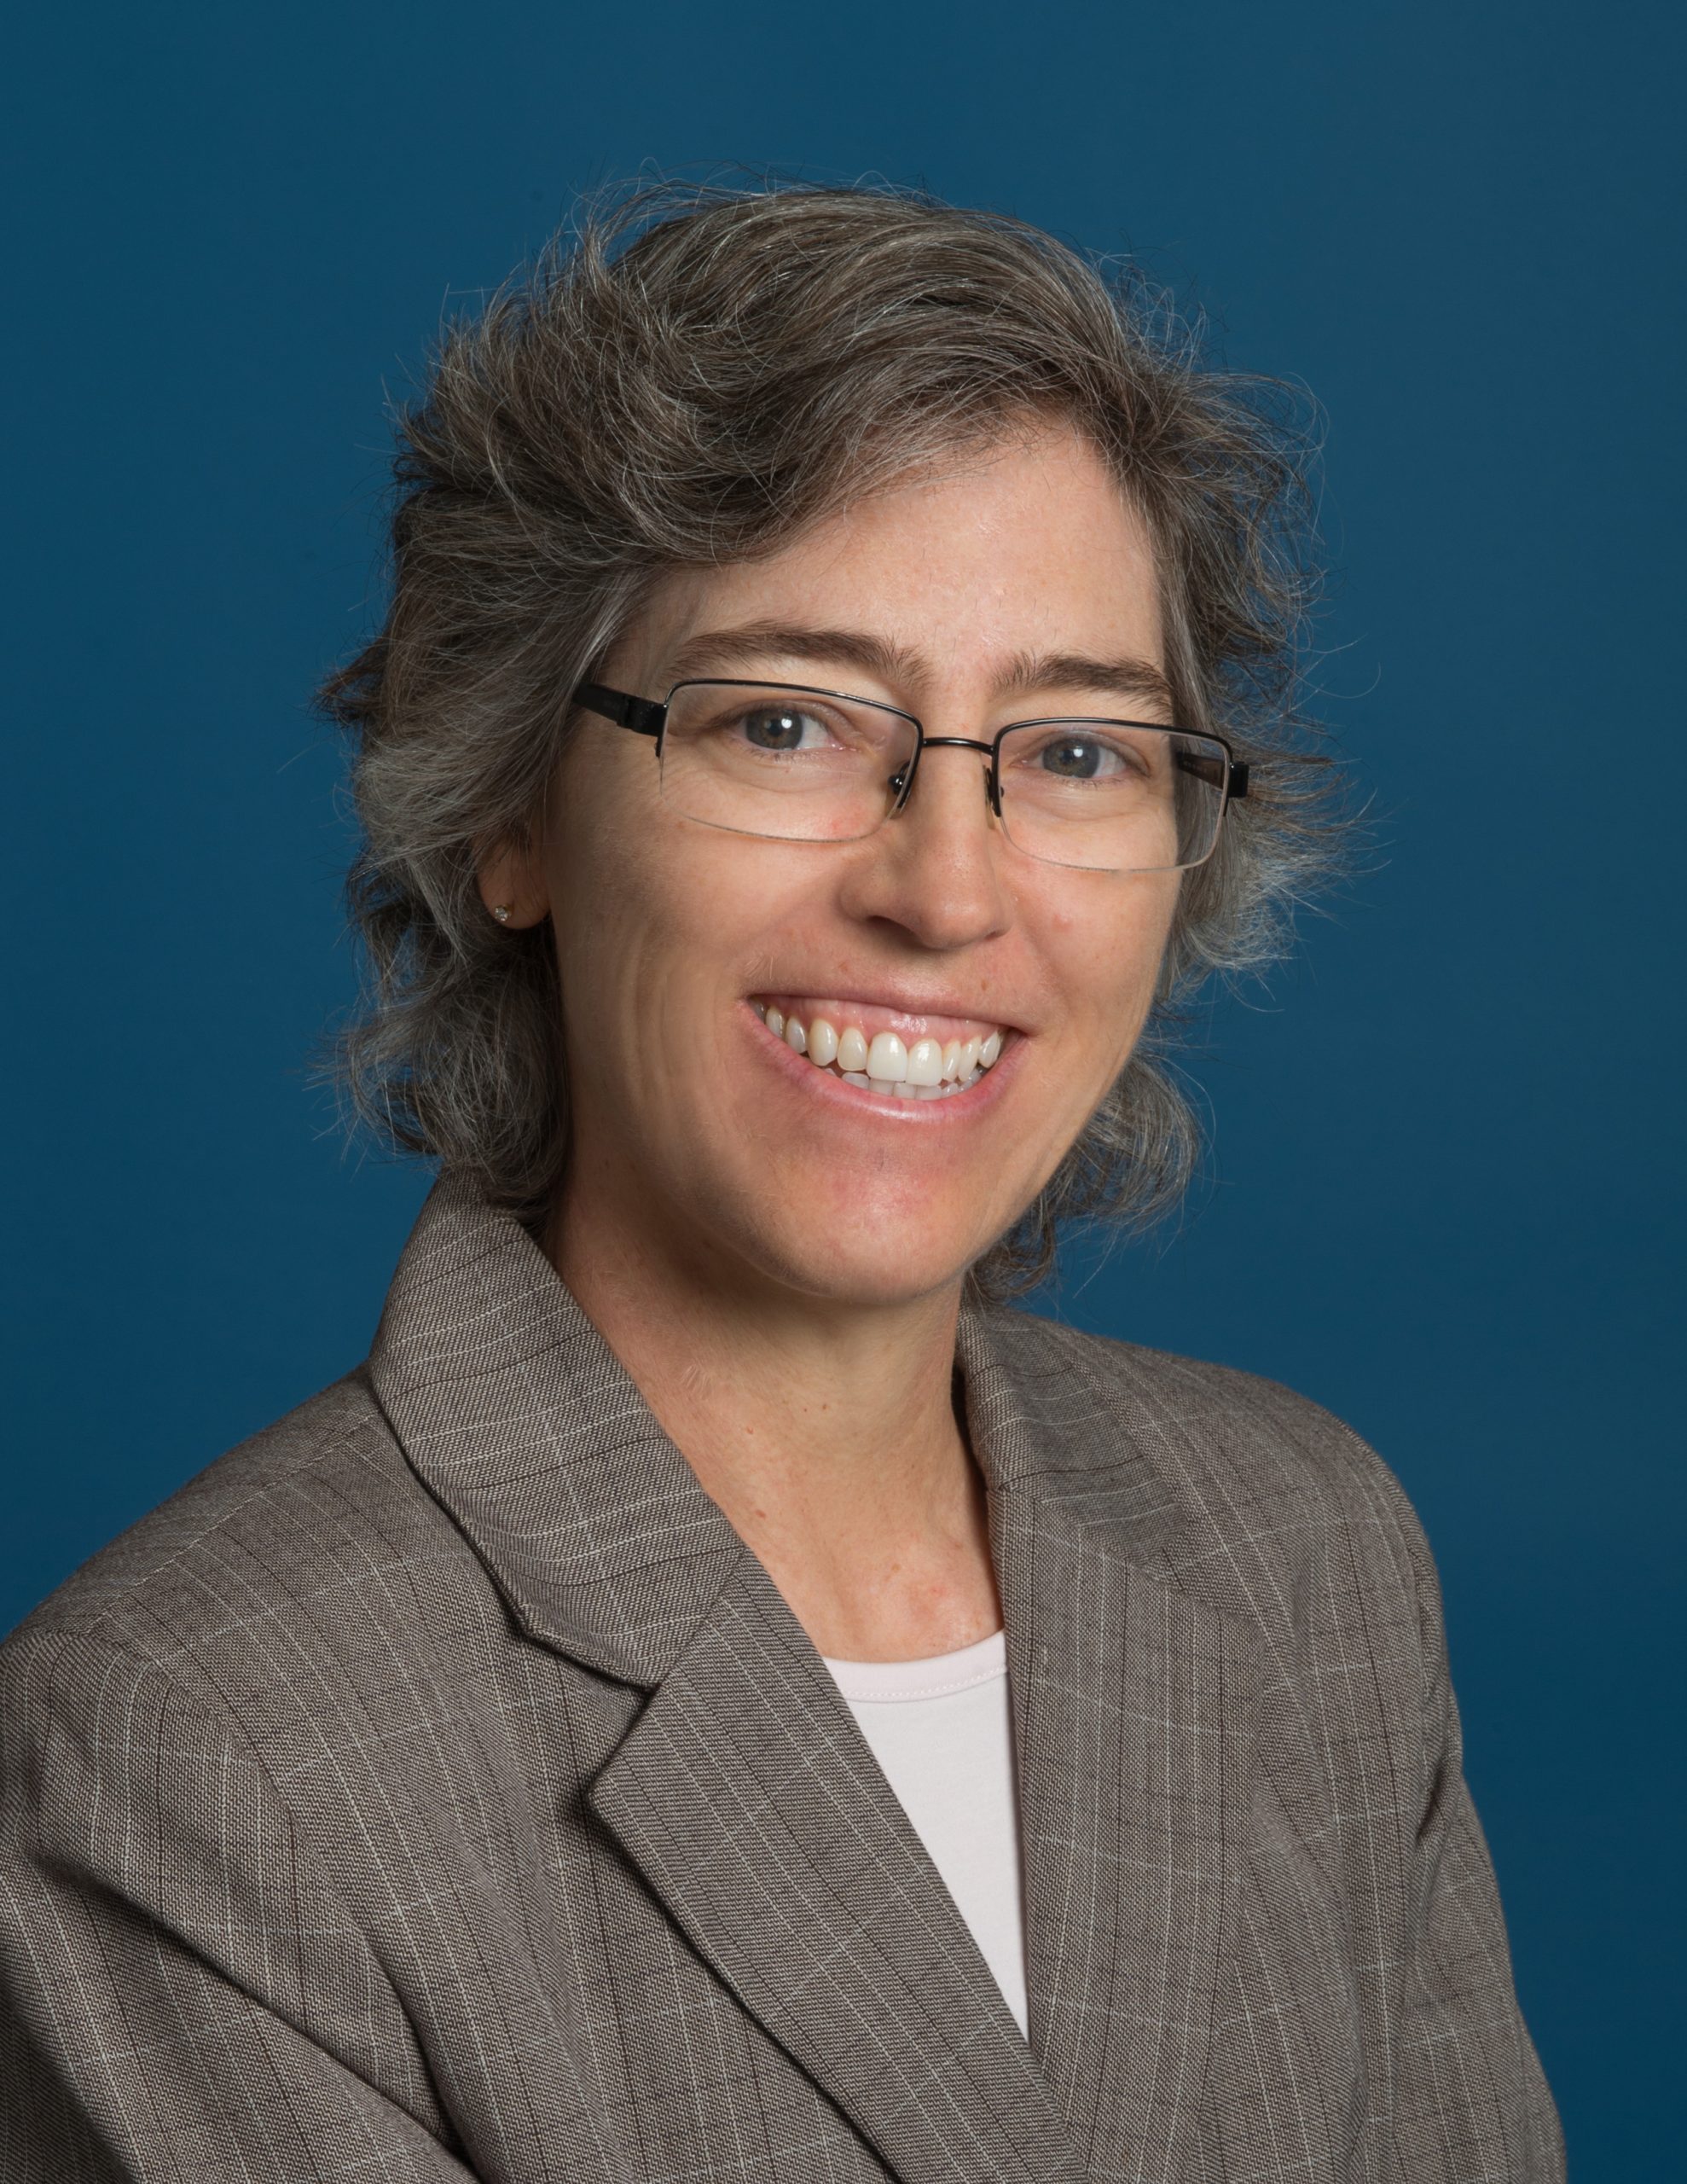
1025, 547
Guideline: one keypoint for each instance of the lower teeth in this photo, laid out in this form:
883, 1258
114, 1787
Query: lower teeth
892, 1089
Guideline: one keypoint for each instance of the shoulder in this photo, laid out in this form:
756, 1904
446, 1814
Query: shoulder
261, 1547
1212, 1424
164, 1719
1263, 1492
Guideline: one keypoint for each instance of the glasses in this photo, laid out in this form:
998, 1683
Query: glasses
791, 764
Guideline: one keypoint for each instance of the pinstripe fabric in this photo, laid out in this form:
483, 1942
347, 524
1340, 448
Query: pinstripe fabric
438, 1788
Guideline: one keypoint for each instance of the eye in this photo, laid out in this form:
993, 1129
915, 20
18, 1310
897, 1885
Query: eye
782, 728
1080, 759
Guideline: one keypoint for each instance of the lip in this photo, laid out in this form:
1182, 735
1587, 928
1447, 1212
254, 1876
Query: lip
909, 1017
848, 1100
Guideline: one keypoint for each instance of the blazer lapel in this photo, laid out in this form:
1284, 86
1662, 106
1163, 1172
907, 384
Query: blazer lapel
744, 1792
1132, 1711
747, 1796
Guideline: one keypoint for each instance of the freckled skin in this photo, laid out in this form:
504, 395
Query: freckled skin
665, 927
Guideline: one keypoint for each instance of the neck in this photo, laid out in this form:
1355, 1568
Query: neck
827, 1432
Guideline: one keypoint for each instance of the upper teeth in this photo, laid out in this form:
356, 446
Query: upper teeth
929, 1069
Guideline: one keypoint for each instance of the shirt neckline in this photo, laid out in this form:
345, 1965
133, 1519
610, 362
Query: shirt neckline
936, 1675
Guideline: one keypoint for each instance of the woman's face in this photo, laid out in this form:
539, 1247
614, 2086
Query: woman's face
1019, 584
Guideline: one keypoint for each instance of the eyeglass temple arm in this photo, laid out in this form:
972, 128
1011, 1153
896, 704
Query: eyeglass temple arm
644, 716
1220, 772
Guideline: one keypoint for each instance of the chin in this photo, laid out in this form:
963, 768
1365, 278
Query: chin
867, 1289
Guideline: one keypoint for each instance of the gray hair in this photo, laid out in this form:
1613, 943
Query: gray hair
688, 377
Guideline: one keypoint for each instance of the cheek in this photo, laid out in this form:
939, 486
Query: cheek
1108, 953
660, 926
619, 913
634, 997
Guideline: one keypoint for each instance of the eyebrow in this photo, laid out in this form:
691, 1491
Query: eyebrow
753, 644
757, 644
1127, 676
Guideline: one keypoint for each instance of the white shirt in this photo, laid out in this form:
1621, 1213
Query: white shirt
940, 1729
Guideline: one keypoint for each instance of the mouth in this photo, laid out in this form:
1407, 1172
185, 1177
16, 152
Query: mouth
884, 1052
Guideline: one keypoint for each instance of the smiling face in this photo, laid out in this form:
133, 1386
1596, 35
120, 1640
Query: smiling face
1020, 583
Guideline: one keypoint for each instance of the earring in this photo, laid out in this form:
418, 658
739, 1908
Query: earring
502, 912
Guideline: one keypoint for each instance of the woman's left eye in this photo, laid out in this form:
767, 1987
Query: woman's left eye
1080, 759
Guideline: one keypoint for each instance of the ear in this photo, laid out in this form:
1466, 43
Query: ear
510, 876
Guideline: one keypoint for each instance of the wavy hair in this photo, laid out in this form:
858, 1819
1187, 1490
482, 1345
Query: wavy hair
687, 376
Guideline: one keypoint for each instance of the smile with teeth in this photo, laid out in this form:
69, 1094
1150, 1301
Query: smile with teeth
926, 1069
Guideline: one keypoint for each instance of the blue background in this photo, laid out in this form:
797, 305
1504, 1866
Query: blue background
1447, 1153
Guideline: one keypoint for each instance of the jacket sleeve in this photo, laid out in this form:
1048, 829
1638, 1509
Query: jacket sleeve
182, 1995
1470, 2098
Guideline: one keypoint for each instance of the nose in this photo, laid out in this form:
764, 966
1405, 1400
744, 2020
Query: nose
934, 868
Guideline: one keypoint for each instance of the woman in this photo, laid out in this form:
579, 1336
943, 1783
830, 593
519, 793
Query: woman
715, 1694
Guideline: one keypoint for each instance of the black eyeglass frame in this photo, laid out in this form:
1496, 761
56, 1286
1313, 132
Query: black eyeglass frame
649, 716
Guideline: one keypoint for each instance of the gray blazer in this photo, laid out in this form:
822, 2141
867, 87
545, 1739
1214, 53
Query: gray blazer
438, 1787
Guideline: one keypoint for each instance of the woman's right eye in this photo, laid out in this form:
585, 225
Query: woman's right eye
781, 728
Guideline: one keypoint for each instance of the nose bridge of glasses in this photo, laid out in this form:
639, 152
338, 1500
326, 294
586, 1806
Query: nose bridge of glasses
988, 751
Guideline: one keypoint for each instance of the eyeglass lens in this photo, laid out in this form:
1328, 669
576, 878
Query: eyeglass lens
802, 765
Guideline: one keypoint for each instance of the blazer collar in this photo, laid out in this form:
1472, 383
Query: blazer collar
745, 1791
524, 1423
